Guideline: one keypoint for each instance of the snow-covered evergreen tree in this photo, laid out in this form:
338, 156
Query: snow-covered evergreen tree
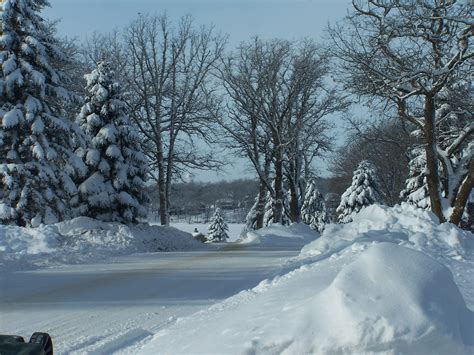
37, 159
218, 228
251, 218
416, 188
363, 192
268, 215
269, 205
286, 218
313, 210
113, 189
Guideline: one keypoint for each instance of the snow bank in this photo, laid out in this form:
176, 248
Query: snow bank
25, 241
276, 236
376, 285
390, 298
85, 234
402, 224
84, 239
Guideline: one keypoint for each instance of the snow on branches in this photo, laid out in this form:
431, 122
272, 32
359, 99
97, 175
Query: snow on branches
37, 141
218, 228
416, 189
416, 58
363, 192
113, 189
313, 211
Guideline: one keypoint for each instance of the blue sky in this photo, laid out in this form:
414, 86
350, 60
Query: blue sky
240, 19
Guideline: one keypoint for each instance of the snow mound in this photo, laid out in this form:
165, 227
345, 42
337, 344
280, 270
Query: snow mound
376, 285
403, 224
390, 298
85, 234
84, 239
277, 236
27, 241
387, 299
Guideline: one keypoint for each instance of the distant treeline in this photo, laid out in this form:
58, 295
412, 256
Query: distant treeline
196, 197
193, 198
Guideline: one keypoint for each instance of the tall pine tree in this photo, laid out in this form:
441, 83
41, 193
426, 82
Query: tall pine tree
363, 192
37, 160
113, 189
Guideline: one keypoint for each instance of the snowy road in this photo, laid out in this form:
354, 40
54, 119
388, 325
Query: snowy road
118, 305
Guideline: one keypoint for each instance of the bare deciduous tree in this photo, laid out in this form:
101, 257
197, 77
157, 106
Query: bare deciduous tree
171, 95
107, 47
386, 144
407, 54
276, 115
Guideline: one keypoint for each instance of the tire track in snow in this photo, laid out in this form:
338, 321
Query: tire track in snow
180, 272
111, 343
109, 278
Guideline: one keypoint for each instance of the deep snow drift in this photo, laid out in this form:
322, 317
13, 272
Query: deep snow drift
84, 240
404, 224
377, 284
390, 298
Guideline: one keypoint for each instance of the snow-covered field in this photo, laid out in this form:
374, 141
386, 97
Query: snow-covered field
234, 229
392, 281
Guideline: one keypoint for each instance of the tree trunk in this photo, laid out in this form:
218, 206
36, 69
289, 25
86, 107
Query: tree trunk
260, 210
278, 207
295, 211
162, 189
296, 188
169, 177
432, 176
462, 196
262, 192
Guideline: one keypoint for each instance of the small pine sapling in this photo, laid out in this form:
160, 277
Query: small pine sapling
364, 191
218, 228
313, 210
416, 187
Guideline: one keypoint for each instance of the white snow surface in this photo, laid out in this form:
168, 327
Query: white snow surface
392, 281
370, 286
276, 236
403, 224
83, 240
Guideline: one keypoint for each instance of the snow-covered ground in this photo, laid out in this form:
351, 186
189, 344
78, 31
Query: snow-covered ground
379, 284
392, 281
235, 229
102, 307
84, 240
119, 303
